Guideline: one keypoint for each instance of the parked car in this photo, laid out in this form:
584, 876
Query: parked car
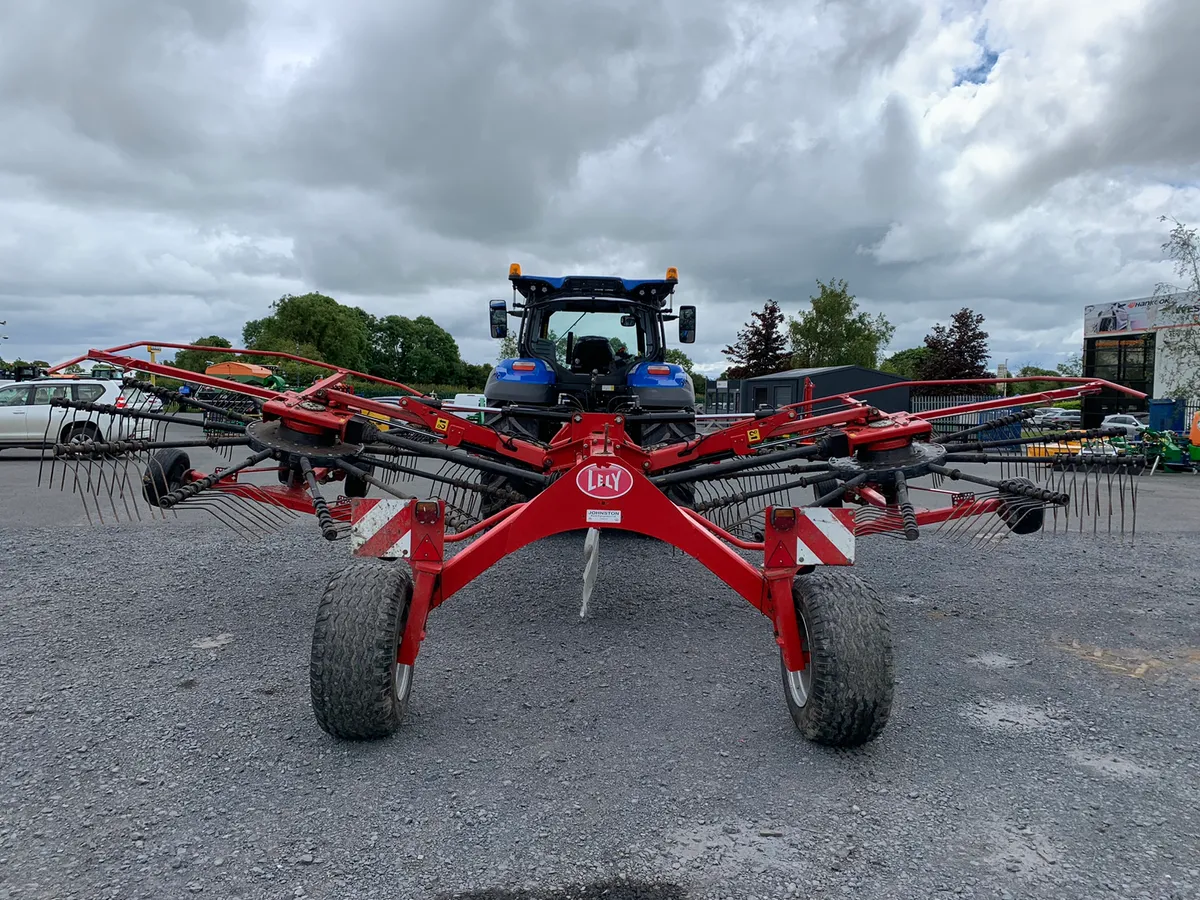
1064, 418
1131, 425
1040, 415
27, 420
469, 400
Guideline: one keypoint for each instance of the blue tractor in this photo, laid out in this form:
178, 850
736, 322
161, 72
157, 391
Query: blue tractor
596, 344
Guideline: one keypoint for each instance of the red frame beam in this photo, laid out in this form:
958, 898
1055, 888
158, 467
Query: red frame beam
643, 509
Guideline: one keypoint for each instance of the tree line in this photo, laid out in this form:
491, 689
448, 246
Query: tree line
834, 332
415, 351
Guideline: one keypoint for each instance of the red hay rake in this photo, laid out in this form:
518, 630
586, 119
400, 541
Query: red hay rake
739, 483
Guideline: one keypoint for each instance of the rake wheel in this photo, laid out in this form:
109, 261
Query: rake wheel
843, 696
1021, 517
821, 488
164, 474
359, 692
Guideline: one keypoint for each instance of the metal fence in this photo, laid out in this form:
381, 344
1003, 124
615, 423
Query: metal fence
921, 403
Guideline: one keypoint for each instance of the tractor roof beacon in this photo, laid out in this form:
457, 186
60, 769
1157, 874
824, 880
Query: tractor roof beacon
591, 344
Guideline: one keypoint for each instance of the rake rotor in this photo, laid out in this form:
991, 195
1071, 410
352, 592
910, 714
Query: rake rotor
315, 451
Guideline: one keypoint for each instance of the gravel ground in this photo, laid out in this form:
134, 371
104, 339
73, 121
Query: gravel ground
158, 740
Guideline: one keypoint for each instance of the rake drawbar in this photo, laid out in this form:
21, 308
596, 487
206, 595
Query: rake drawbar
741, 483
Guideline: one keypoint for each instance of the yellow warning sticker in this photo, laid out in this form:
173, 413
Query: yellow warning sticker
441, 424
753, 436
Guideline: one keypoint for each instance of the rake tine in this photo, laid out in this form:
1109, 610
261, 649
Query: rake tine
122, 485
271, 512
42, 457
95, 493
253, 520
102, 485
113, 489
251, 512
214, 506
1133, 504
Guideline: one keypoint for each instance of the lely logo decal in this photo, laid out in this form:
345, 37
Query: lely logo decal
604, 482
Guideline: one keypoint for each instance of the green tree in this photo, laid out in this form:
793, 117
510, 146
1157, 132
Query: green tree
198, 360
1180, 303
1073, 367
957, 351
73, 369
474, 376
905, 363
414, 351
1033, 387
341, 335
834, 333
761, 345
508, 347
677, 357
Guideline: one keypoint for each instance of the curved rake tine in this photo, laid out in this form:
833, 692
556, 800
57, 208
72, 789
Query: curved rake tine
216, 506
42, 457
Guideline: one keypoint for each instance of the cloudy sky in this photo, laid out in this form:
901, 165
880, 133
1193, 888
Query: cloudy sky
169, 168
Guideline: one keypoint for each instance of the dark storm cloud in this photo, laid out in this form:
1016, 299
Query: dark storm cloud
473, 115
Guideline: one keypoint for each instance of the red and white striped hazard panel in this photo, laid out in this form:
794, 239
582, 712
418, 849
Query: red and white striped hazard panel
381, 528
825, 537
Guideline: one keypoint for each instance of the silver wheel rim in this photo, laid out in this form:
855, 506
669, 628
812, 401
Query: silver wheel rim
402, 680
799, 684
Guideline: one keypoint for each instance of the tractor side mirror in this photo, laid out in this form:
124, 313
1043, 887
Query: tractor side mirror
629, 321
687, 324
498, 319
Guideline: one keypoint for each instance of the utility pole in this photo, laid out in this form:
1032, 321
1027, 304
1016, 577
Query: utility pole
153, 351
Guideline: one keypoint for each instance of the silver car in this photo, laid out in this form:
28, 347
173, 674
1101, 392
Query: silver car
1131, 425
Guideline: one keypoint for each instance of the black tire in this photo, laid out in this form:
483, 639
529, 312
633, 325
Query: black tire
164, 474
844, 696
1022, 515
821, 488
356, 694
78, 432
358, 487
661, 433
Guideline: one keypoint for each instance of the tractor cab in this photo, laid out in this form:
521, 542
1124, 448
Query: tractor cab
592, 342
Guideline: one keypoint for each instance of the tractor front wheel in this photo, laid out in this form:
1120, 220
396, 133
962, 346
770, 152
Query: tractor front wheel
843, 696
657, 434
359, 691
500, 491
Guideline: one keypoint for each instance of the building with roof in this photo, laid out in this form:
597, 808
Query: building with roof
782, 388
1150, 344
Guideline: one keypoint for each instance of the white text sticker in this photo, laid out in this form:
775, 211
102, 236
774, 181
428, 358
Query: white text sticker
609, 516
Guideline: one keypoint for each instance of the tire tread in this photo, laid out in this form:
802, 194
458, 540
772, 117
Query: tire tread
851, 653
360, 621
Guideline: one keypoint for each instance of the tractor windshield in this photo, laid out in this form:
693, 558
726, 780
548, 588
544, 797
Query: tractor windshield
557, 334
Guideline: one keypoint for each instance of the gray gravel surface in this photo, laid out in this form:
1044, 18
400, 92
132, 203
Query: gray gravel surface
157, 740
